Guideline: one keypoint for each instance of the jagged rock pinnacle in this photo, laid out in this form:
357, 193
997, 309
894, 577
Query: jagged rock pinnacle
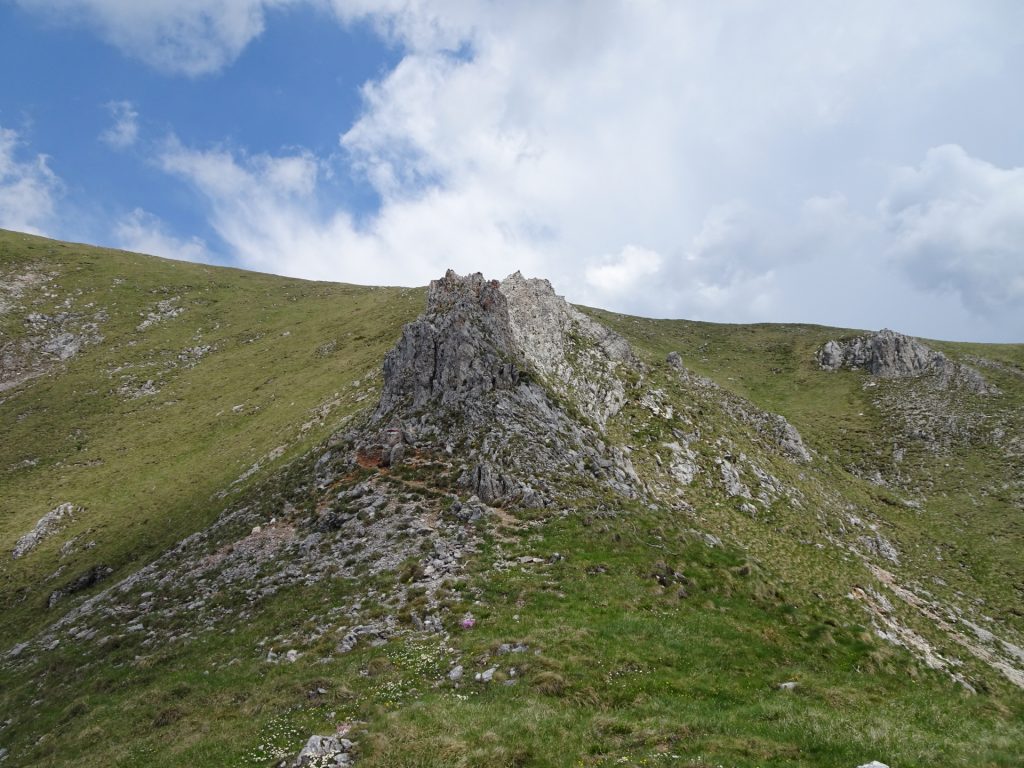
474, 374
460, 347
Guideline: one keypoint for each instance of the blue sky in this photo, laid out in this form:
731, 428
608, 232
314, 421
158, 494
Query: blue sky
848, 164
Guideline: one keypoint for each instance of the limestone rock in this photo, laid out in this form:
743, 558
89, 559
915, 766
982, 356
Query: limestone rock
325, 751
458, 350
576, 356
45, 527
483, 373
888, 354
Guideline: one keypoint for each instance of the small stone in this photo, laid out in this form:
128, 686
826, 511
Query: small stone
292, 655
873, 764
456, 673
505, 648
787, 686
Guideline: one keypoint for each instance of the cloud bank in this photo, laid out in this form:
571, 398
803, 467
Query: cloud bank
734, 162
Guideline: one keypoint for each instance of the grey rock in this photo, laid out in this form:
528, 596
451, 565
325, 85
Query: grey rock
788, 686
45, 527
877, 544
506, 648
324, 752
17, 650
452, 352
674, 360
731, 480
576, 356
63, 346
456, 673
477, 368
873, 764
80, 583
888, 354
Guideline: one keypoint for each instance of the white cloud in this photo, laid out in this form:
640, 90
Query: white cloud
143, 232
957, 224
125, 130
745, 145
624, 272
191, 37
28, 188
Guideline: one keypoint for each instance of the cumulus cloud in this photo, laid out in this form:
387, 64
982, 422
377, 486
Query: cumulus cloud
266, 210
28, 188
957, 224
125, 130
721, 161
624, 272
191, 37
144, 232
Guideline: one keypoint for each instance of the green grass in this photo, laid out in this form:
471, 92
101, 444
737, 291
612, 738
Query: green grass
621, 669
147, 471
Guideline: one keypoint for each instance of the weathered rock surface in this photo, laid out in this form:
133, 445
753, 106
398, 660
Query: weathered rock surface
770, 429
48, 340
575, 356
45, 527
325, 752
468, 378
888, 354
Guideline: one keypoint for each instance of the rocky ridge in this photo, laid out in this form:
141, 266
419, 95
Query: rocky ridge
888, 354
576, 357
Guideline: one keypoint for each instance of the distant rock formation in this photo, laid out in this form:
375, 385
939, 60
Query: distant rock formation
888, 354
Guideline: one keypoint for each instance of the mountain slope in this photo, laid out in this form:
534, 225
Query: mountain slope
525, 536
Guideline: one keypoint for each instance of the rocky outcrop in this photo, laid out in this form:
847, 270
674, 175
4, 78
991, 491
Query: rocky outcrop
574, 355
325, 752
457, 351
770, 429
45, 527
473, 378
47, 341
888, 354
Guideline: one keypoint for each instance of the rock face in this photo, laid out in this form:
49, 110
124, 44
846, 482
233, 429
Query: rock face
472, 377
458, 350
888, 354
575, 356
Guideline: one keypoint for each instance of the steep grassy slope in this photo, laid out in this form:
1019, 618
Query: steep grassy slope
651, 631
246, 370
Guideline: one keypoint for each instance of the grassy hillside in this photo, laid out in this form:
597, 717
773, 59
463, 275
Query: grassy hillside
621, 633
249, 371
